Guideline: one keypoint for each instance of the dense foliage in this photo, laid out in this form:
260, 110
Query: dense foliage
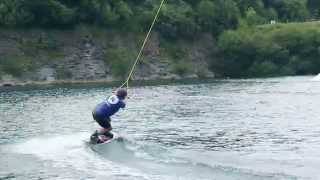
269, 50
245, 48
179, 17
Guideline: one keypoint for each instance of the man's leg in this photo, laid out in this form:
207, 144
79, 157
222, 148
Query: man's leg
106, 128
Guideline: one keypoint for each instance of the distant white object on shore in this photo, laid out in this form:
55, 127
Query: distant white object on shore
317, 78
273, 22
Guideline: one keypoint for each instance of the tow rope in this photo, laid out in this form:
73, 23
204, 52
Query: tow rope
126, 82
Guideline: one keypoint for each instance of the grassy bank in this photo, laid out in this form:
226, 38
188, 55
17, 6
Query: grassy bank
269, 50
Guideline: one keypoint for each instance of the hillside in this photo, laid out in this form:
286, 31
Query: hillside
94, 54
97, 40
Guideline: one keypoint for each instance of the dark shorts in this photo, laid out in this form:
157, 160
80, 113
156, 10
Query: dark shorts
105, 122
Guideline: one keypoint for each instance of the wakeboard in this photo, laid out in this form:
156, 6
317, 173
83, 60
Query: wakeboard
97, 138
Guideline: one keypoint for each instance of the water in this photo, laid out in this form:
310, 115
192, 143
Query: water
260, 129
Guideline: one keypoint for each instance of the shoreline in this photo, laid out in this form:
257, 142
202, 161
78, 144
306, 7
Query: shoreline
117, 83
106, 83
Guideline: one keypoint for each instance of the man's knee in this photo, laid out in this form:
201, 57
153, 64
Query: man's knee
108, 129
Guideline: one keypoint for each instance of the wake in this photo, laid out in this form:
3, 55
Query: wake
136, 160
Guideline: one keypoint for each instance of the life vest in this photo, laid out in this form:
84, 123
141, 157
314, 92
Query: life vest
109, 107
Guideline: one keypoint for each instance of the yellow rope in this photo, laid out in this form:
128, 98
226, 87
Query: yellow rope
143, 46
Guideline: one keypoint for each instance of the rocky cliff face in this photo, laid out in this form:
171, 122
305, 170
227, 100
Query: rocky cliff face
81, 55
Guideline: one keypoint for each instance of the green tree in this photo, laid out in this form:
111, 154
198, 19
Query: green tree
229, 13
207, 13
253, 18
271, 14
257, 5
123, 10
108, 15
177, 20
314, 6
49, 13
13, 14
236, 50
294, 10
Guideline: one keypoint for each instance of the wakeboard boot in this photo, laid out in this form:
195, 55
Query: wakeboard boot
94, 138
108, 134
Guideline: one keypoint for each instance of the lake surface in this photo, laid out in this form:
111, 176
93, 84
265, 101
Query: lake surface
258, 129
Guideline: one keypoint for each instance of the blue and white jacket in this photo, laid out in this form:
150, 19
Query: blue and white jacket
109, 107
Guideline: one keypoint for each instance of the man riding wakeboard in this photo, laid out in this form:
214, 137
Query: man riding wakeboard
102, 113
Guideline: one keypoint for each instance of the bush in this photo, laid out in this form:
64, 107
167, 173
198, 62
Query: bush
16, 66
181, 68
263, 69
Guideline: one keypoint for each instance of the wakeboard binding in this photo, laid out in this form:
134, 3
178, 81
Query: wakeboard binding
99, 138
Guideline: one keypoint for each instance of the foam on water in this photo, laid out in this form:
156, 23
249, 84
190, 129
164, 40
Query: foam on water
72, 151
